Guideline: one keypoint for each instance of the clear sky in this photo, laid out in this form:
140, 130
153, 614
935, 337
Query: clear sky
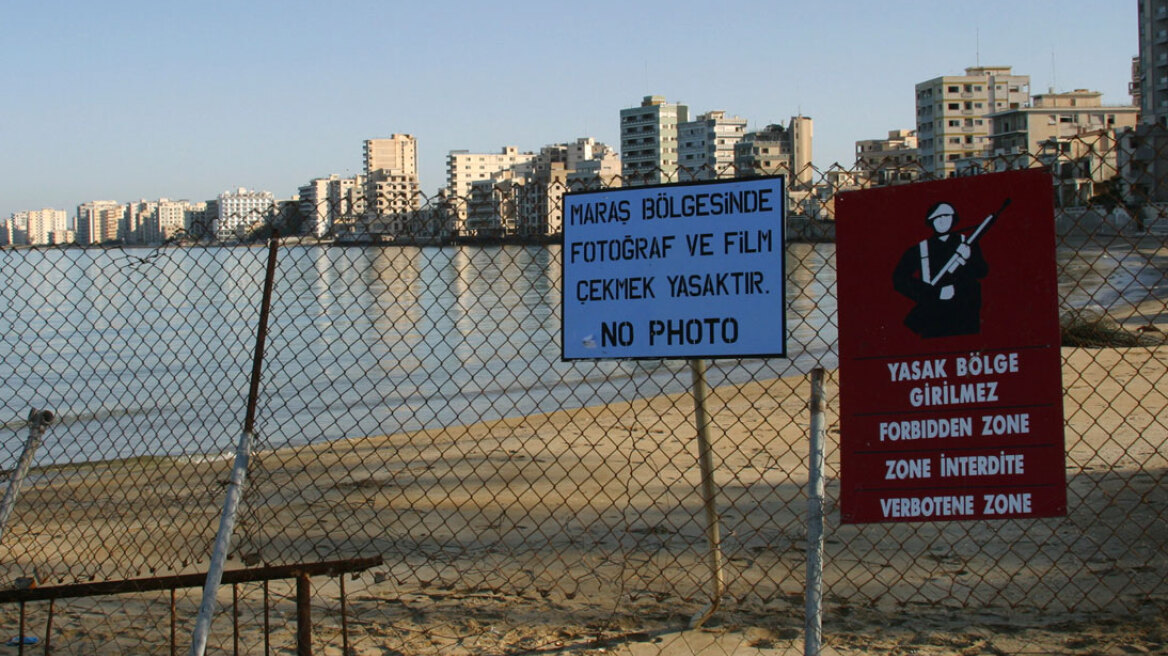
123, 100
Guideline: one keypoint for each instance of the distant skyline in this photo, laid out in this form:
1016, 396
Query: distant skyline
129, 100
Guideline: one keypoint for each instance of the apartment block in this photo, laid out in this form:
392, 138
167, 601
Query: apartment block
705, 148
464, 168
398, 152
241, 211
40, 227
314, 206
98, 221
391, 175
1153, 61
649, 141
1053, 118
889, 161
778, 149
952, 113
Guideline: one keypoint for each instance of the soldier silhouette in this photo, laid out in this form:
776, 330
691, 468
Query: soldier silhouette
942, 275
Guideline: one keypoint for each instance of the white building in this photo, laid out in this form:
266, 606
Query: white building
464, 168
649, 144
242, 211
705, 149
952, 113
39, 227
314, 206
99, 221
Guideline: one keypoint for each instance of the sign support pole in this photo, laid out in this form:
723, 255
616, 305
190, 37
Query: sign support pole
813, 630
706, 463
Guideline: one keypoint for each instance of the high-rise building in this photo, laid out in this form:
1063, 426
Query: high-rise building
705, 146
649, 144
396, 153
314, 206
952, 112
98, 221
1153, 61
241, 211
778, 149
140, 223
391, 175
464, 168
40, 227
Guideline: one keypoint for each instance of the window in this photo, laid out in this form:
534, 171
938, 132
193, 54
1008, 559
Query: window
954, 106
953, 89
954, 123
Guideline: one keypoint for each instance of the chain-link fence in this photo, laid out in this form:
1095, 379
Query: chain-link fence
414, 408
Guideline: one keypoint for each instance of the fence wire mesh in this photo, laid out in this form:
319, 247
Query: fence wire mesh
414, 407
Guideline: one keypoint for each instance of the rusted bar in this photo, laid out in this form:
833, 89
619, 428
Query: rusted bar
235, 619
257, 362
271, 573
303, 615
344, 619
20, 639
173, 623
267, 622
49, 628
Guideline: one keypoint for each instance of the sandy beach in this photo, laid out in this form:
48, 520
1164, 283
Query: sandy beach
582, 532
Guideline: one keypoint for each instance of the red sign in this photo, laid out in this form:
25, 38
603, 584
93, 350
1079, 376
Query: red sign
950, 371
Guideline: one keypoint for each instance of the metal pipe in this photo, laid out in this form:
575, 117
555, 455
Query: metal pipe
20, 639
38, 421
344, 618
303, 615
267, 621
706, 463
239, 471
49, 628
235, 619
815, 493
173, 623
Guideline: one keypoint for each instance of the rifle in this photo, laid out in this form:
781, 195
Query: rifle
952, 264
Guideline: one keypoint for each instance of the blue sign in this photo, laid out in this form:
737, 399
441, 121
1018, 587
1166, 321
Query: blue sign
675, 271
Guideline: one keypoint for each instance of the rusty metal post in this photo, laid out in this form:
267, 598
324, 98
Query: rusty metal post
344, 619
709, 500
173, 624
20, 638
235, 619
239, 471
267, 621
303, 615
49, 628
38, 421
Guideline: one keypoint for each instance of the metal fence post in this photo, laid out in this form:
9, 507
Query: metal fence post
815, 493
238, 471
706, 462
38, 421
